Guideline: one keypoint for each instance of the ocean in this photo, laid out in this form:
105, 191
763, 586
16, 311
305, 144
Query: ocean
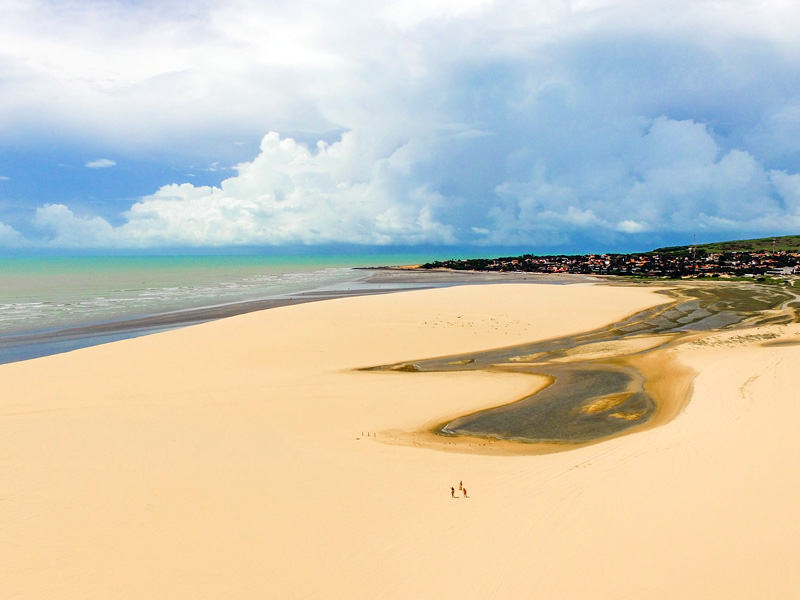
55, 304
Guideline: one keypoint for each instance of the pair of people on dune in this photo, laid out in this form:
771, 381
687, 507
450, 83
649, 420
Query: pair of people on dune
461, 488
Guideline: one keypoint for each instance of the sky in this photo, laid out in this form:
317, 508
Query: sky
584, 125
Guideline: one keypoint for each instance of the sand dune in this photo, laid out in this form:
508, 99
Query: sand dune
238, 459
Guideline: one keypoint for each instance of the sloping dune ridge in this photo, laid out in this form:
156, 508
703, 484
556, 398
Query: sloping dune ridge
246, 458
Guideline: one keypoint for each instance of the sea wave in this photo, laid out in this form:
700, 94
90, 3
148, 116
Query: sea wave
52, 308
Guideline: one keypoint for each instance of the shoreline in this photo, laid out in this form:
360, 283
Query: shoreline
37, 344
26, 345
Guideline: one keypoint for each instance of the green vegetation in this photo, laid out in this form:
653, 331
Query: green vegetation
745, 258
785, 243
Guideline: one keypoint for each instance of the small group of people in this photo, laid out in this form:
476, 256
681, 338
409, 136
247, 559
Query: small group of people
461, 488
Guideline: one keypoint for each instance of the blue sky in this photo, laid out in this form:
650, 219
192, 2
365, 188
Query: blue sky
571, 125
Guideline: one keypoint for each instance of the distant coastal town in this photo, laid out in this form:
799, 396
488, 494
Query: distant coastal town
673, 263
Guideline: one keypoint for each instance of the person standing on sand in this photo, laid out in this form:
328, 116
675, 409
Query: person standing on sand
465, 492
452, 492
460, 483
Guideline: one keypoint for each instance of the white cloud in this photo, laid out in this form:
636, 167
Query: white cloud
150, 74
680, 180
788, 187
11, 238
477, 121
101, 163
341, 192
67, 230
629, 226
4, 178
361, 190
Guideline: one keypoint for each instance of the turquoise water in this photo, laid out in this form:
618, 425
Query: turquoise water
38, 294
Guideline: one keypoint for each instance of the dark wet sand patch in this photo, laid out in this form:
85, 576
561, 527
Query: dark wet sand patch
782, 343
558, 413
602, 397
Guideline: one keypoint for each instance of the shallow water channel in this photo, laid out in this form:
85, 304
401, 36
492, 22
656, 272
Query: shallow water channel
607, 392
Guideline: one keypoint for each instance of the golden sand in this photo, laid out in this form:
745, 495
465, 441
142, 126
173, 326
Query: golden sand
244, 459
604, 404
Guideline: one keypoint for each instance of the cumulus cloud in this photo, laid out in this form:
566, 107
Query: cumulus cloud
677, 179
346, 192
788, 188
11, 238
357, 191
629, 226
67, 230
148, 74
470, 122
101, 163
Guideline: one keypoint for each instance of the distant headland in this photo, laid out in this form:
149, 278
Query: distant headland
771, 260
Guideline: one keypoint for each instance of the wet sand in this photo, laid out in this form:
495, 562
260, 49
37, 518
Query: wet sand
440, 277
599, 383
36, 344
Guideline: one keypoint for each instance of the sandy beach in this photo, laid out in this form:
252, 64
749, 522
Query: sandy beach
249, 457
